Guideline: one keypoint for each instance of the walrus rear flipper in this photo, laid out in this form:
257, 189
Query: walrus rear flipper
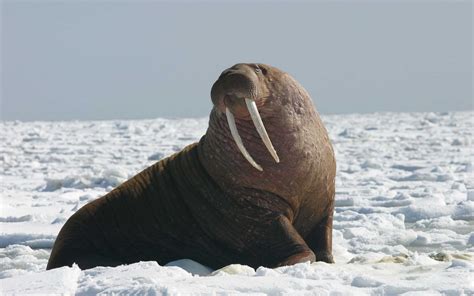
74, 245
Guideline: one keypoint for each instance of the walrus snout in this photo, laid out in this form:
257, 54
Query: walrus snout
231, 89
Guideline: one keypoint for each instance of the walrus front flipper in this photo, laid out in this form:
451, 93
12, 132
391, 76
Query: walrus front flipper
320, 240
288, 246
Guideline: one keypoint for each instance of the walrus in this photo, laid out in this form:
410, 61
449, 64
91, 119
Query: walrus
257, 189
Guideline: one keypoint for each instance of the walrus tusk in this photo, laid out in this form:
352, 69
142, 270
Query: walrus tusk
257, 121
238, 140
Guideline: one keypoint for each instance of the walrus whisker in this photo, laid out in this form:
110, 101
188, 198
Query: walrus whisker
257, 121
238, 140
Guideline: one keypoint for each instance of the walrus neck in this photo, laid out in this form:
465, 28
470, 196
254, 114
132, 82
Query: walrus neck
225, 164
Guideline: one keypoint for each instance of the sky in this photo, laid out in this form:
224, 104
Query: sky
84, 60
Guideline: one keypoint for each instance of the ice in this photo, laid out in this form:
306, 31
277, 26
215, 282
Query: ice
10, 219
235, 269
32, 240
20, 259
404, 219
63, 280
106, 178
191, 266
156, 156
365, 282
470, 195
139, 278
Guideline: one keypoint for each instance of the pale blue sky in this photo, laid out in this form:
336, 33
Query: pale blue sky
127, 59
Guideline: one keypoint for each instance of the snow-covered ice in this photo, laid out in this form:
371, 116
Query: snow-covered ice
404, 220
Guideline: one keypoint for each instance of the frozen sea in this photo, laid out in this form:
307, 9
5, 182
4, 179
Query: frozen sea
404, 220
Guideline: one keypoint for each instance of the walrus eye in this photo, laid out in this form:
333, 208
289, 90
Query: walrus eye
260, 70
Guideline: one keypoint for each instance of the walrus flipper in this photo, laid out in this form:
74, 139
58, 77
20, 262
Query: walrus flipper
288, 247
320, 240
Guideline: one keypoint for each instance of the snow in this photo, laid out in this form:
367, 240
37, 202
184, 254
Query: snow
404, 220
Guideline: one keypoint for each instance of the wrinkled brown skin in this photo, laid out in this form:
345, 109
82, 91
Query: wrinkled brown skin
207, 203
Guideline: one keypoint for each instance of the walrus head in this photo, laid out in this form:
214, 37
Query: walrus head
264, 132
238, 92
